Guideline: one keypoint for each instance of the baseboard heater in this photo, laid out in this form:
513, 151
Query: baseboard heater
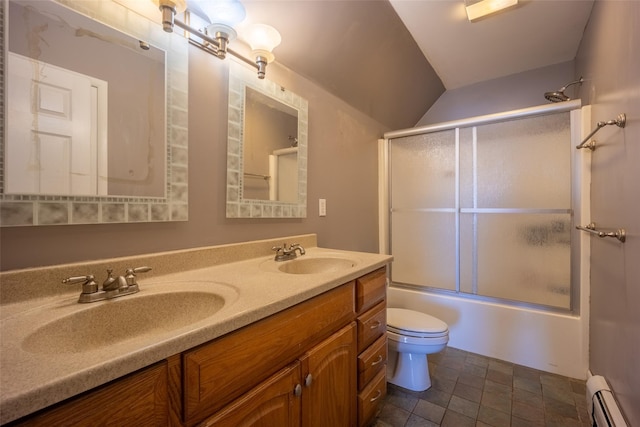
602, 405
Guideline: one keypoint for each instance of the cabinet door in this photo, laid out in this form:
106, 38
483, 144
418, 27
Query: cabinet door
329, 378
139, 399
272, 403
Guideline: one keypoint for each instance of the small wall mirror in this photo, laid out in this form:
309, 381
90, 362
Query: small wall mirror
95, 119
266, 150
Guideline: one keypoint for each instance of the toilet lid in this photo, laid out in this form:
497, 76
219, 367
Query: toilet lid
414, 321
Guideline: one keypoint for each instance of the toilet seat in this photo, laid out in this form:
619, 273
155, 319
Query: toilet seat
415, 324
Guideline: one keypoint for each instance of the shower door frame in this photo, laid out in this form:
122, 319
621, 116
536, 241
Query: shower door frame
579, 210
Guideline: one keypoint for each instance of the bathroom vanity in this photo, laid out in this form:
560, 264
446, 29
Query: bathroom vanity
303, 347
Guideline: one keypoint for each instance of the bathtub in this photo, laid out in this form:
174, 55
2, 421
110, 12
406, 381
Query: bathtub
551, 342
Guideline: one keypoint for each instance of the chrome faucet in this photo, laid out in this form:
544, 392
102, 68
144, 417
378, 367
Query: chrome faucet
112, 287
284, 253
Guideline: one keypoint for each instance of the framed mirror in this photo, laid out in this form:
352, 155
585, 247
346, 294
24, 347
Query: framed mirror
266, 148
95, 115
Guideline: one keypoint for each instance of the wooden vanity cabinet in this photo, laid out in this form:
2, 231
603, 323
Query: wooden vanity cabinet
319, 363
371, 294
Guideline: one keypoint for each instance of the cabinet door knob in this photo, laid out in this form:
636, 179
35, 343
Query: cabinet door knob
308, 380
378, 360
297, 390
377, 396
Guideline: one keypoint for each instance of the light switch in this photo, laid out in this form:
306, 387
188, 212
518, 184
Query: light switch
322, 207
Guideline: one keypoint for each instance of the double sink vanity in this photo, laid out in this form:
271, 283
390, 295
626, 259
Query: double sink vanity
224, 335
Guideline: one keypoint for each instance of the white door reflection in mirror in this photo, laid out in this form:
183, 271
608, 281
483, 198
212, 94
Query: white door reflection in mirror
283, 169
55, 134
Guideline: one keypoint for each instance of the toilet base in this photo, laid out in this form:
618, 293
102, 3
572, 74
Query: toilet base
408, 370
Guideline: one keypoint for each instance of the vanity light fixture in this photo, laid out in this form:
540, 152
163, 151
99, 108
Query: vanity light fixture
477, 9
223, 15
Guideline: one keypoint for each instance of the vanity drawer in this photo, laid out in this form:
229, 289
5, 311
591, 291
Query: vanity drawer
371, 398
219, 372
371, 289
371, 361
371, 326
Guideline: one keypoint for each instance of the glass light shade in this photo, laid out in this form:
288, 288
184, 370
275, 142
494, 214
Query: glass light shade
263, 39
479, 9
225, 12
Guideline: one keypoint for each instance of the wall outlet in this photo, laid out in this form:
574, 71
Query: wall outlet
322, 207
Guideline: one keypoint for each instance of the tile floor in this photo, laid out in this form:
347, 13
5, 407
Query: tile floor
472, 390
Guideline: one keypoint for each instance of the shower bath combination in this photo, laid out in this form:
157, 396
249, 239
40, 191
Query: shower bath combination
560, 96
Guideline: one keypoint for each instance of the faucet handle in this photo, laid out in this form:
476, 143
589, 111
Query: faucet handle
89, 284
130, 274
279, 249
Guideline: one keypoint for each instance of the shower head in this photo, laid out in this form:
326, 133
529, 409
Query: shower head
560, 96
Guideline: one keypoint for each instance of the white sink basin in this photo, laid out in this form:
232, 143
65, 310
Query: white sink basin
99, 324
315, 265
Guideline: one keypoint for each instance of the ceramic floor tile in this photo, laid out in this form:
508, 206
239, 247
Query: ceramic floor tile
474, 390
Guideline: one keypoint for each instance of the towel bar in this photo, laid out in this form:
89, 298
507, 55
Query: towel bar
620, 121
619, 234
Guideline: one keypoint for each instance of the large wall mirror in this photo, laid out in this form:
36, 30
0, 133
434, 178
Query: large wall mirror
266, 150
95, 115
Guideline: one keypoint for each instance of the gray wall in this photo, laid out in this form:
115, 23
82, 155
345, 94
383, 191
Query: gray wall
508, 93
609, 60
342, 169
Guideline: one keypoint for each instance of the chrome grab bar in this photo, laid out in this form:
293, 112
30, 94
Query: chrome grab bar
620, 121
619, 234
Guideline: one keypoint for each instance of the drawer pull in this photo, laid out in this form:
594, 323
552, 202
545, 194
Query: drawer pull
378, 360
377, 396
297, 390
308, 380
375, 325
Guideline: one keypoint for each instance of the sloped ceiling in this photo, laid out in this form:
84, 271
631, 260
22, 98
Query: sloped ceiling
392, 59
359, 50
531, 35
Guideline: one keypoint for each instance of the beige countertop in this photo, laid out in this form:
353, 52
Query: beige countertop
34, 377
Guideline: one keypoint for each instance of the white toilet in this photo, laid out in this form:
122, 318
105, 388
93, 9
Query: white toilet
411, 336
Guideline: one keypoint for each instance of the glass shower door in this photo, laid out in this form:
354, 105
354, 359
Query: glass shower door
485, 210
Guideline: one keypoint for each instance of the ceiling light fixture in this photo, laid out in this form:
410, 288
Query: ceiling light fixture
222, 16
477, 9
